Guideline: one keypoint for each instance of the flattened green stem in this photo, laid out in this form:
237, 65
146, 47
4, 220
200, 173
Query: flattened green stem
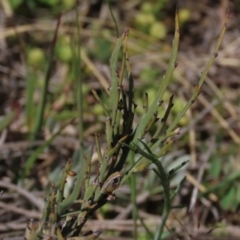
161, 140
101, 103
145, 102
162, 86
46, 211
144, 161
215, 52
116, 127
62, 182
162, 126
125, 58
165, 148
165, 180
103, 168
166, 211
117, 146
186, 107
197, 88
175, 169
66, 203
115, 82
151, 122
99, 153
109, 132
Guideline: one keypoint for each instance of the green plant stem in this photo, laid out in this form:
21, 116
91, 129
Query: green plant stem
165, 180
166, 209
40, 115
29, 110
32, 158
67, 202
79, 86
133, 197
113, 18
161, 227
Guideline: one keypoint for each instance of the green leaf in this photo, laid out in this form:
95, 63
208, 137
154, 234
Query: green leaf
114, 91
216, 167
6, 120
238, 193
15, 3
228, 202
102, 50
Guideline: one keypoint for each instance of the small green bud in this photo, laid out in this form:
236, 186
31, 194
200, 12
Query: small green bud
35, 56
147, 7
158, 30
144, 19
184, 15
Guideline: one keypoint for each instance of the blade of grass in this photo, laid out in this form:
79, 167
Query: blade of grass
40, 114
133, 198
79, 82
225, 182
113, 18
33, 157
149, 233
30, 105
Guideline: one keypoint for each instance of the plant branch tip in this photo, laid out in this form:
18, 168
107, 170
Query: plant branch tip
126, 32
71, 173
177, 131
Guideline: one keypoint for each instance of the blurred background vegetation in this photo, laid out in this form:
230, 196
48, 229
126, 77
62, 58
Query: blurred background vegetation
209, 135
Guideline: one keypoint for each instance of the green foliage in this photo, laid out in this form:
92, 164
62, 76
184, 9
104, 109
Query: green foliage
50, 2
63, 49
56, 6
135, 136
15, 3
216, 165
125, 143
101, 49
230, 200
147, 19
